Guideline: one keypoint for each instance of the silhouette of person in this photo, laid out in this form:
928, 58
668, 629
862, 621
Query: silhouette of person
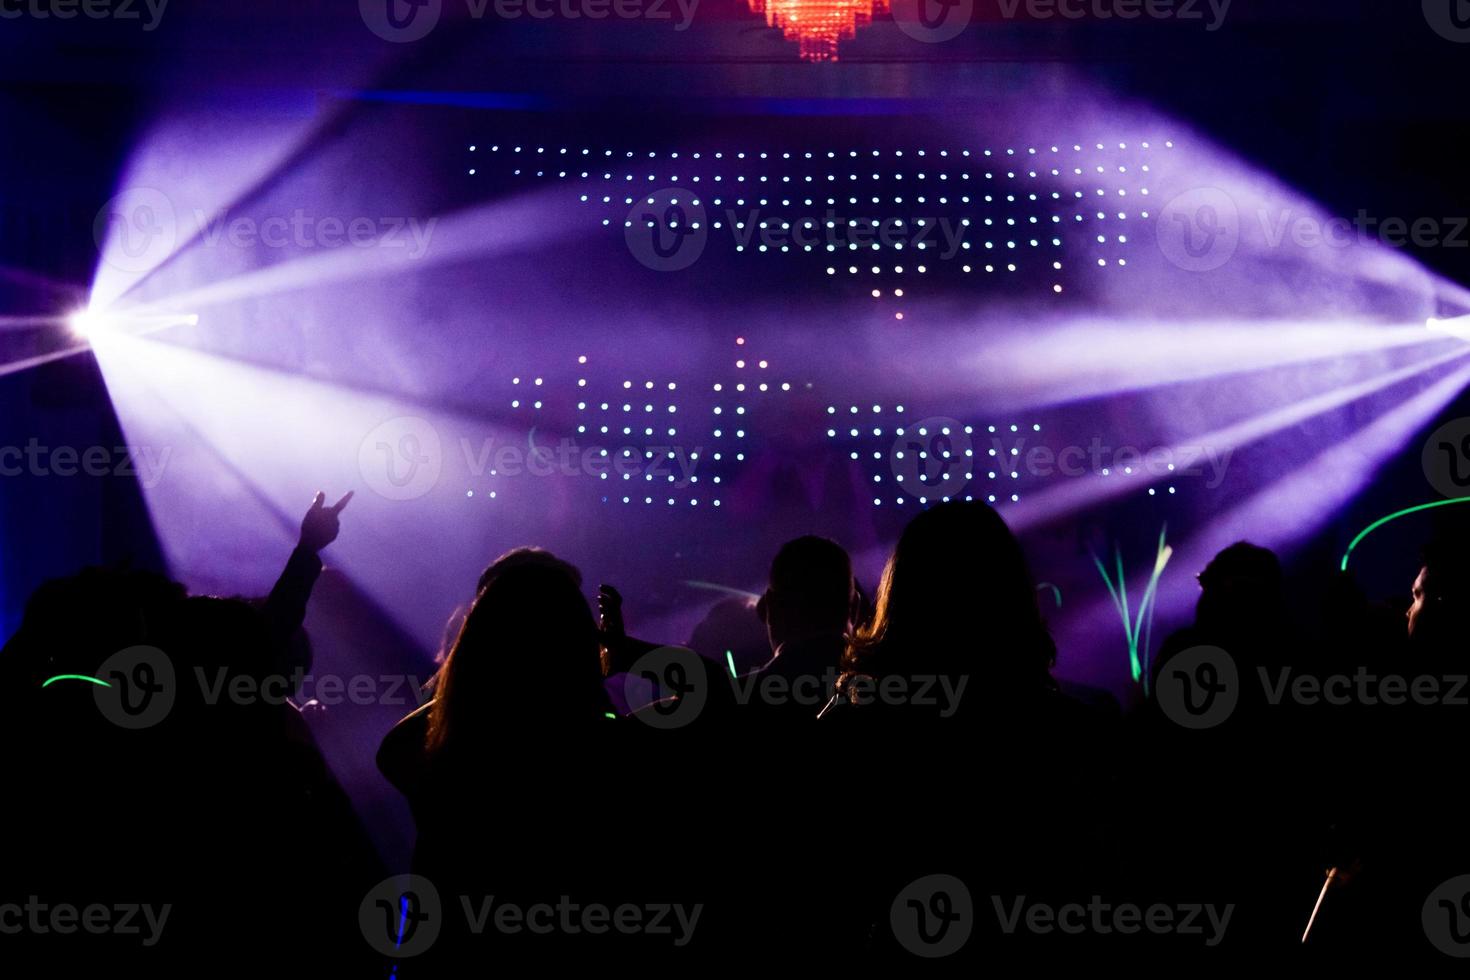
1438, 620
1242, 610
957, 600
958, 753
807, 608
229, 804
509, 782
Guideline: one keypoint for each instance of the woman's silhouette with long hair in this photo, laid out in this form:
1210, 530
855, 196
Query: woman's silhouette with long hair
957, 600
528, 655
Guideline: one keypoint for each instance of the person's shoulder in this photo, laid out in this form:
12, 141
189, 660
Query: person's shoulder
402, 749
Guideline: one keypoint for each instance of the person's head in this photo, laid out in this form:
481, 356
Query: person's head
74, 624
518, 557
1241, 585
957, 598
529, 649
1441, 596
810, 591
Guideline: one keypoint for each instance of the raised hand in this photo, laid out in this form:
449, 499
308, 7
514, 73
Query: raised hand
321, 526
610, 612
622, 650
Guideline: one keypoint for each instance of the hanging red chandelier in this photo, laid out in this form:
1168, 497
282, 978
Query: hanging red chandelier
818, 25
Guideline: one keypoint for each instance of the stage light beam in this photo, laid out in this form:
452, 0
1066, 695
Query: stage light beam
1456, 326
85, 324
90, 324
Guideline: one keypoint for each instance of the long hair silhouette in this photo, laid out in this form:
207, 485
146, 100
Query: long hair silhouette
527, 655
957, 598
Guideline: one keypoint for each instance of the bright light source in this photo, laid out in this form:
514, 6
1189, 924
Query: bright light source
1457, 327
85, 323
89, 324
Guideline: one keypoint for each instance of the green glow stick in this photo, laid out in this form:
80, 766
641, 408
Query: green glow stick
1137, 632
76, 677
1393, 517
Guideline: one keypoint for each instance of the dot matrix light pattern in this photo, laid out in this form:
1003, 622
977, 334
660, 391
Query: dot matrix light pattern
913, 460
678, 443
650, 427
983, 213
881, 219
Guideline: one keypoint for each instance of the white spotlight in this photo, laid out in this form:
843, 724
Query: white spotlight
89, 324
86, 324
1456, 327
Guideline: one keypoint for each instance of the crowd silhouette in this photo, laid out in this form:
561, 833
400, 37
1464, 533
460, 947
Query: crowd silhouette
781, 792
